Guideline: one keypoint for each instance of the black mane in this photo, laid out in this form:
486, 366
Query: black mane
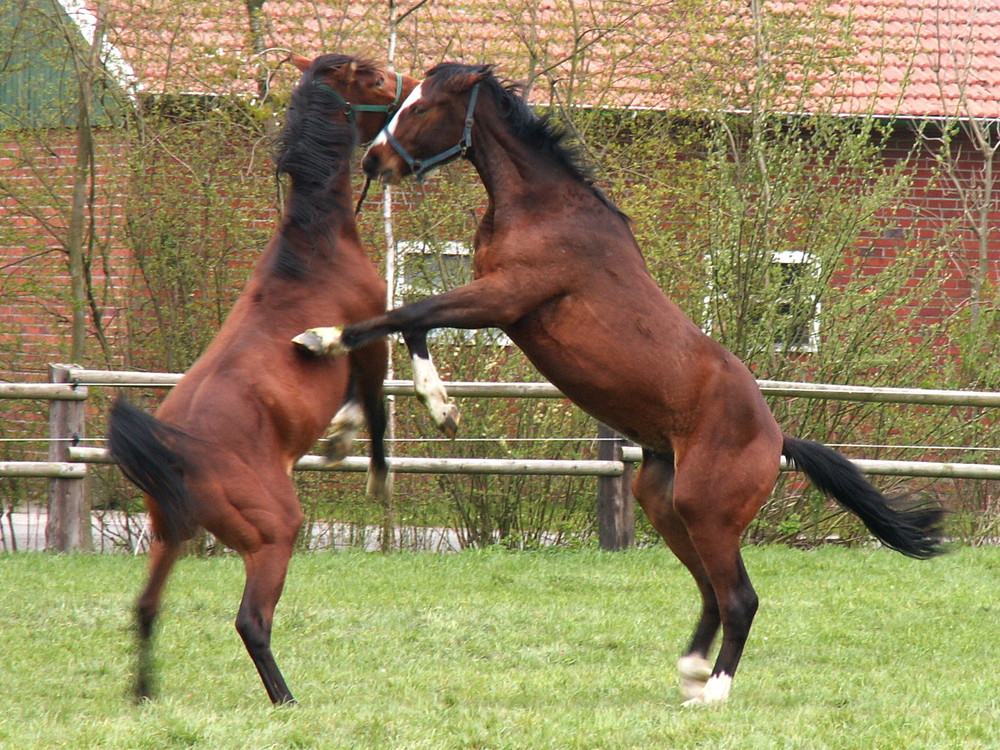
540, 133
315, 146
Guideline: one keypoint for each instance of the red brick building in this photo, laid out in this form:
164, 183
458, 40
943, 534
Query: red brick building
922, 68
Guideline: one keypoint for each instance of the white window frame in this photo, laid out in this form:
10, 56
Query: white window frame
402, 286
785, 257
798, 257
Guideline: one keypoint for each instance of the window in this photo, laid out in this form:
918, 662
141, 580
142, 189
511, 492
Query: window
800, 312
430, 268
425, 269
794, 309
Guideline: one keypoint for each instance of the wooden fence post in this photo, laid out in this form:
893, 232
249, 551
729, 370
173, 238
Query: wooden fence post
68, 527
615, 504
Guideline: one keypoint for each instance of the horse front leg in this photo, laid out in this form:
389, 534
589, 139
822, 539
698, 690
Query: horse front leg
427, 383
429, 387
350, 417
490, 301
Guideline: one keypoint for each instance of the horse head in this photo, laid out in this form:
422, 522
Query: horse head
374, 93
432, 127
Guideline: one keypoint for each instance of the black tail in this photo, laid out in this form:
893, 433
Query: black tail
914, 530
135, 442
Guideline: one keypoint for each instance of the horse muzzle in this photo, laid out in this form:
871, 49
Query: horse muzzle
387, 171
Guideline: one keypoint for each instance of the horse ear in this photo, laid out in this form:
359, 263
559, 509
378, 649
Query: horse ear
343, 73
300, 62
462, 83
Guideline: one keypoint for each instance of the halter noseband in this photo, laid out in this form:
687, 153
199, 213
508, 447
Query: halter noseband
420, 167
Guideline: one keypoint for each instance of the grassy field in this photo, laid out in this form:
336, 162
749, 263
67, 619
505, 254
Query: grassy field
565, 649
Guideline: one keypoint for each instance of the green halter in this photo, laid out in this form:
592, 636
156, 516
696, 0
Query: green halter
350, 109
386, 108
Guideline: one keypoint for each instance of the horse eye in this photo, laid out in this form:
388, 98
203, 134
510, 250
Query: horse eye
378, 83
418, 110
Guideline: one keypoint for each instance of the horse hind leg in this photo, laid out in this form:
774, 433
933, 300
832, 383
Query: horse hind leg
737, 607
715, 508
266, 569
653, 488
163, 555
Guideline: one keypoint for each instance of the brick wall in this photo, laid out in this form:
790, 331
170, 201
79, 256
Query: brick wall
37, 181
933, 217
34, 312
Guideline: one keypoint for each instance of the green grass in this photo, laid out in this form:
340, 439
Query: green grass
566, 649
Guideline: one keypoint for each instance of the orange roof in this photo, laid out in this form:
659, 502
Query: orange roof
915, 58
935, 58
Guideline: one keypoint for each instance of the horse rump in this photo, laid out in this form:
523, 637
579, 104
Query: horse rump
137, 443
914, 529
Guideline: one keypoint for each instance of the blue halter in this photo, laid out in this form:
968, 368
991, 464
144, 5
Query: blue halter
420, 167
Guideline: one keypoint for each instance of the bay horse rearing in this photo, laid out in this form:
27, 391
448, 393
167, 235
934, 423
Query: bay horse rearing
220, 450
373, 95
557, 269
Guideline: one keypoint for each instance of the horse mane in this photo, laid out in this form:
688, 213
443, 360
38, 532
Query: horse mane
539, 132
315, 147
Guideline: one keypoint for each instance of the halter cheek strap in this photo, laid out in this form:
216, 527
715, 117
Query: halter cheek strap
350, 109
385, 108
420, 167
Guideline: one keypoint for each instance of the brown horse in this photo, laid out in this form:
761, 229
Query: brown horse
367, 88
558, 270
221, 448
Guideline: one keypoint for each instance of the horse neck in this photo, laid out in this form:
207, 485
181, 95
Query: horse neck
316, 236
514, 175
312, 210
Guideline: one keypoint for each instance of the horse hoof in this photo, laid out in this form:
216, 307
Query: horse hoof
694, 672
321, 341
715, 692
379, 486
337, 449
449, 423
342, 432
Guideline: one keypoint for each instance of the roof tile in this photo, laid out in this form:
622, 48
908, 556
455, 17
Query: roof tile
907, 53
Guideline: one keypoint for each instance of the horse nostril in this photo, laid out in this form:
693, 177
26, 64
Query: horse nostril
370, 164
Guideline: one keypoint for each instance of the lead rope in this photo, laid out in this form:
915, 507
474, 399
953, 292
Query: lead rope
364, 193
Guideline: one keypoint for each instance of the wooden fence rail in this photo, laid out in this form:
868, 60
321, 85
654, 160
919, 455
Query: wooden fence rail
69, 513
465, 389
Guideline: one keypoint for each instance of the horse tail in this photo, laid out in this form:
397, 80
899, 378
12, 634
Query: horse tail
912, 529
136, 443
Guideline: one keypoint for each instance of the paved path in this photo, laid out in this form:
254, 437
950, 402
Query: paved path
117, 532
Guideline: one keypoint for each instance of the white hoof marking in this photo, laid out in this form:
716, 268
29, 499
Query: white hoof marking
431, 391
716, 691
694, 672
322, 341
343, 431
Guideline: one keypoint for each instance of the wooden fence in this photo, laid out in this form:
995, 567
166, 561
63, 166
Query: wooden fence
68, 525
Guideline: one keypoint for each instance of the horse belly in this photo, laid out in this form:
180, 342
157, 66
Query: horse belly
259, 396
594, 378
647, 381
